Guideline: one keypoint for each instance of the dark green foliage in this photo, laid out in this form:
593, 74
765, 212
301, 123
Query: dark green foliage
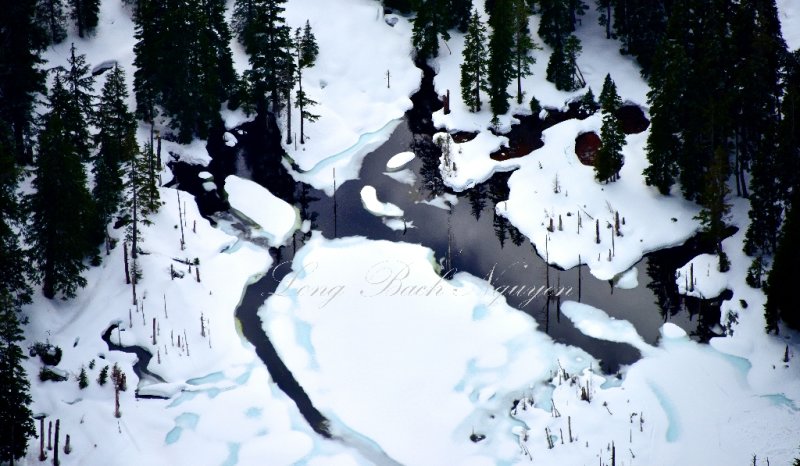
21, 41
782, 299
562, 68
85, 14
588, 103
47, 374
78, 82
474, 66
49, 354
610, 100
558, 19
184, 63
142, 198
755, 272
640, 26
715, 204
116, 145
102, 378
609, 160
501, 64
51, 20
523, 45
16, 420
60, 180
432, 21
83, 379
268, 41
307, 51
536, 107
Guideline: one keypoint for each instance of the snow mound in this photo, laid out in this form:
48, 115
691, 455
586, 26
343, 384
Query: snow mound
397, 161
275, 217
369, 198
701, 278
627, 280
597, 324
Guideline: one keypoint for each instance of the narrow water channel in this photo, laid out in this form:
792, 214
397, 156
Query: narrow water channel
468, 237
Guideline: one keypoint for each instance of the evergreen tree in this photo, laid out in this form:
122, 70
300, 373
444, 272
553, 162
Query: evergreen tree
501, 61
85, 14
142, 200
609, 159
473, 68
562, 68
588, 103
59, 237
558, 20
715, 205
640, 26
268, 41
184, 63
307, 51
51, 20
667, 89
79, 83
431, 22
14, 265
460, 14
782, 301
523, 45
116, 145
21, 41
16, 419
609, 100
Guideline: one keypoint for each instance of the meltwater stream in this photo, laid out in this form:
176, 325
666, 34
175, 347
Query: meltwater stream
467, 237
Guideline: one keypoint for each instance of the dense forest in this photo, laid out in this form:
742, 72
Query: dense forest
725, 92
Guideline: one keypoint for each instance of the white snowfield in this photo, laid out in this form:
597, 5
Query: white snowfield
398, 161
409, 363
276, 218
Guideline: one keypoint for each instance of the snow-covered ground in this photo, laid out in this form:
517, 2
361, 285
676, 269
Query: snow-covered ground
412, 364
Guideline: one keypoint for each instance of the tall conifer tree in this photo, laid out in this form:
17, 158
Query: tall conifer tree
501, 43
85, 14
474, 66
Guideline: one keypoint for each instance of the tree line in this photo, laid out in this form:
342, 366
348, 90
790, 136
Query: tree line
723, 102
183, 75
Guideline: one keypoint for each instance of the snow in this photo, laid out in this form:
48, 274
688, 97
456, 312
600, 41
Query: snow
627, 280
701, 278
230, 139
349, 80
404, 176
789, 15
443, 201
384, 342
397, 161
369, 198
595, 323
277, 219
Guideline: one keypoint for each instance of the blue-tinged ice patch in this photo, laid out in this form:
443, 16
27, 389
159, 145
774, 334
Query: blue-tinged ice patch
183, 398
253, 412
674, 426
479, 312
183, 421
233, 455
779, 399
214, 377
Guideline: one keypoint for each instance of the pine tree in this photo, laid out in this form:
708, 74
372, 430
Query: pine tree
142, 200
268, 41
558, 20
16, 419
21, 41
430, 23
715, 205
500, 68
474, 66
79, 83
307, 51
116, 145
667, 89
609, 159
184, 64
562, 68
83, 379
588, 103
85, 14
51, 20
523, 45
460, 11
640, 26
782, 301
60, 181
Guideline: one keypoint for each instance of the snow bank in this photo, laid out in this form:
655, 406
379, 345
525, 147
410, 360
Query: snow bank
415, 363
597, 324
397, 161
369, 198
277, 219
349, 79
701, 278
